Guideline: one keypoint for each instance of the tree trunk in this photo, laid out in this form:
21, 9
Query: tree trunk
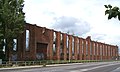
8, 49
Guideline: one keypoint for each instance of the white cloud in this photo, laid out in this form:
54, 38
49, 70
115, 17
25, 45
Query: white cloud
45, 12
71, 25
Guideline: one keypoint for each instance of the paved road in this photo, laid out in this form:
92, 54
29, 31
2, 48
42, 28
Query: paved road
85, 67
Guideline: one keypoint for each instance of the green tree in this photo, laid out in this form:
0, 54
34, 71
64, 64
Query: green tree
113, 12
11, 23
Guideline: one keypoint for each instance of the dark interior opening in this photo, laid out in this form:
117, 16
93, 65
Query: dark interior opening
41, 51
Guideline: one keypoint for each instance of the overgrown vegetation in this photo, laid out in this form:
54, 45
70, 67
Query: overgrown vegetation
11, 24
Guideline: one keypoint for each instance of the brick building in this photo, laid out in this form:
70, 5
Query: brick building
38, 43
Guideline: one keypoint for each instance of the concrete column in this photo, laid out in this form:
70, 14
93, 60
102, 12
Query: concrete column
80, 48
75, 48
65, 46
58, 44
70, 47
51, 45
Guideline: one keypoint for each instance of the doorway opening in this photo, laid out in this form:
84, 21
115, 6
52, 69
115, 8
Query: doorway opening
41, 51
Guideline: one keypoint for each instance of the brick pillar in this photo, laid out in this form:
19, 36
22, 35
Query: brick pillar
84, 49
108, 52
80, 49
102, 51
92, 50
21, 46
75, 48
32, 42
98, 51
111, 52
70, 47
51, 45
88, 47
111, 49
58, 44
65, 46
24, 46
117, 51
105, 51
114, 52
95, 50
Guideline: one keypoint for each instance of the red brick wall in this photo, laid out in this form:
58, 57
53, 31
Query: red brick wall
42, 35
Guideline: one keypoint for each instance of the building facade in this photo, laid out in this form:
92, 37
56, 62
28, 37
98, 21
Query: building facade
40, 43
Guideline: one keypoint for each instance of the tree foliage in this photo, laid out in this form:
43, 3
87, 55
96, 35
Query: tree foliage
11, 21
113, 12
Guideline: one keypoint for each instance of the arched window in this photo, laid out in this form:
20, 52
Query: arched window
27, 39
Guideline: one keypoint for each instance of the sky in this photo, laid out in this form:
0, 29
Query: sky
79, 17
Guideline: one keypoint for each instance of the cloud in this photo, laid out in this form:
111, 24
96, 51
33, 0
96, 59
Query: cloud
81, 17
71, 25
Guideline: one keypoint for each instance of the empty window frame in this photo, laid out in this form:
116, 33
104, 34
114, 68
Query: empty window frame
54, 44
27, 39
14, 44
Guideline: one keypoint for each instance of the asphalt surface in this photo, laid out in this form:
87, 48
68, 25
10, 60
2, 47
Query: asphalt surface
77, 67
